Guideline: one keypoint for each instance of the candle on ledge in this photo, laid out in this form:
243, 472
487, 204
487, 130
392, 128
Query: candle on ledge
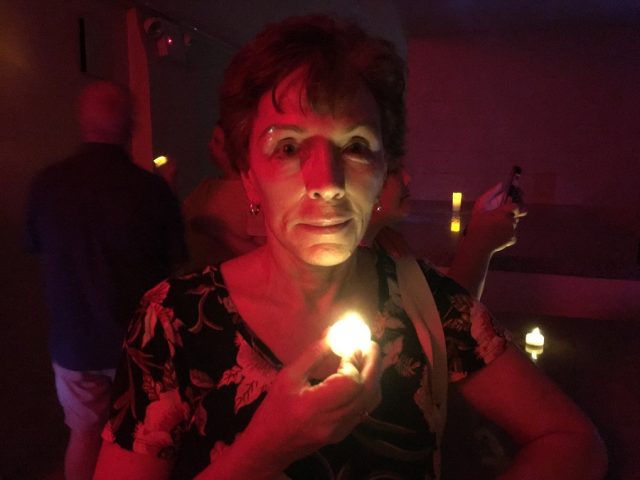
348, 335
160, 161
455, 223
534, 338
533, 351
456, 201
534, 343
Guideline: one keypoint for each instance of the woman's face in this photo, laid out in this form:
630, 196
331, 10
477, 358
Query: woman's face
316, 175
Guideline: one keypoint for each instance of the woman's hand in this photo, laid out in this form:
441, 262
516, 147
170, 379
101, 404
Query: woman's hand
297, 418
491, 228
492, 225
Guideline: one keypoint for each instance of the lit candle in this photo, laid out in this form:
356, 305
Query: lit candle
534, 343
456, 201
533, 351
534, 338
455, 223
348, 335
159, 161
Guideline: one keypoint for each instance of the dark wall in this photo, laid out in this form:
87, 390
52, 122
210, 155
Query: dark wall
40, 78
564, 104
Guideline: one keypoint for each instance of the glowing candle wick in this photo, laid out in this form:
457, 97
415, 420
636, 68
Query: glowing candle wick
348, 335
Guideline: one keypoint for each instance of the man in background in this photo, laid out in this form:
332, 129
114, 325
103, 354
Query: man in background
106, 231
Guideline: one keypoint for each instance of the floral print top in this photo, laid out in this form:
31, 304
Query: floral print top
193, 375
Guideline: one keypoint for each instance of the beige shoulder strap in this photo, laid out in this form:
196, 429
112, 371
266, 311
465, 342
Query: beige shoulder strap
419, 304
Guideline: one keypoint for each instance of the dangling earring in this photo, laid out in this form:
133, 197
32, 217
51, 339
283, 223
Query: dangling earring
378, 208
254, 208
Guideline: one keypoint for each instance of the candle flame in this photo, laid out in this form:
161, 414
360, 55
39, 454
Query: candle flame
349, 334
159, 161
456, 201
535, 338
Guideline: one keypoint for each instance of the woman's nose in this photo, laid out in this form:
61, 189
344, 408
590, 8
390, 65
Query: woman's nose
324, 172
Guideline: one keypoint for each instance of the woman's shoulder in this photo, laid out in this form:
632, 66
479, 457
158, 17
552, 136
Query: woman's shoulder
187, 297
186, 283
438, 279
387, 265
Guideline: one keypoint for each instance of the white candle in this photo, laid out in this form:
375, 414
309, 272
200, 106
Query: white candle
348, 335
456, 201
534, 338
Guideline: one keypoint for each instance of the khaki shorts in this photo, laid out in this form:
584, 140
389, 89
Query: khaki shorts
85, 396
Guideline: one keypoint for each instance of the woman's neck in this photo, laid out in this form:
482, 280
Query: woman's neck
289, 306
303, 283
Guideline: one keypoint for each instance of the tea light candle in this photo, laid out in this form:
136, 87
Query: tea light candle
534, 338
456, 201
160, 161
533, 351
348, 335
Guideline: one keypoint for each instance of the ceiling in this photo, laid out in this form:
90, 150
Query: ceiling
236, 21
446, 17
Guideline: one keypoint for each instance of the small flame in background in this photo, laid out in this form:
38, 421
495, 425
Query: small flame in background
160, 161
455, 223
534, 343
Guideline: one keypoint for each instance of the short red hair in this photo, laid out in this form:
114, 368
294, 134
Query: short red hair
336, 56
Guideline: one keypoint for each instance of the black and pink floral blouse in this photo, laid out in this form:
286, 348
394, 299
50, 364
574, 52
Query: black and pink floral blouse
193, 375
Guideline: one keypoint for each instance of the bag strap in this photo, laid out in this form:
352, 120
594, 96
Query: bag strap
419, 304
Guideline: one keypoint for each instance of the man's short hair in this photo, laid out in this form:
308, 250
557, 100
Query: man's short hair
336, 58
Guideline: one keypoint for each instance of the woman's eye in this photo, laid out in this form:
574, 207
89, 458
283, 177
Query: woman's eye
286, 149
358, 148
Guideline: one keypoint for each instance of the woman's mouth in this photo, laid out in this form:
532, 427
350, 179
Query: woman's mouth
325, 226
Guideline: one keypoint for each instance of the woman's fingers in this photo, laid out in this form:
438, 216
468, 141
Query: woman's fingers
355, 385
329, 410
367, 394
300, 369
371, 374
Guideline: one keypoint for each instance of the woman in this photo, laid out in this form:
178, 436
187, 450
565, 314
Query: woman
217, 223
491, 229
228, 374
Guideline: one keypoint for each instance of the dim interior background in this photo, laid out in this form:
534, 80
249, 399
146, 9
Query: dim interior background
551, 86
